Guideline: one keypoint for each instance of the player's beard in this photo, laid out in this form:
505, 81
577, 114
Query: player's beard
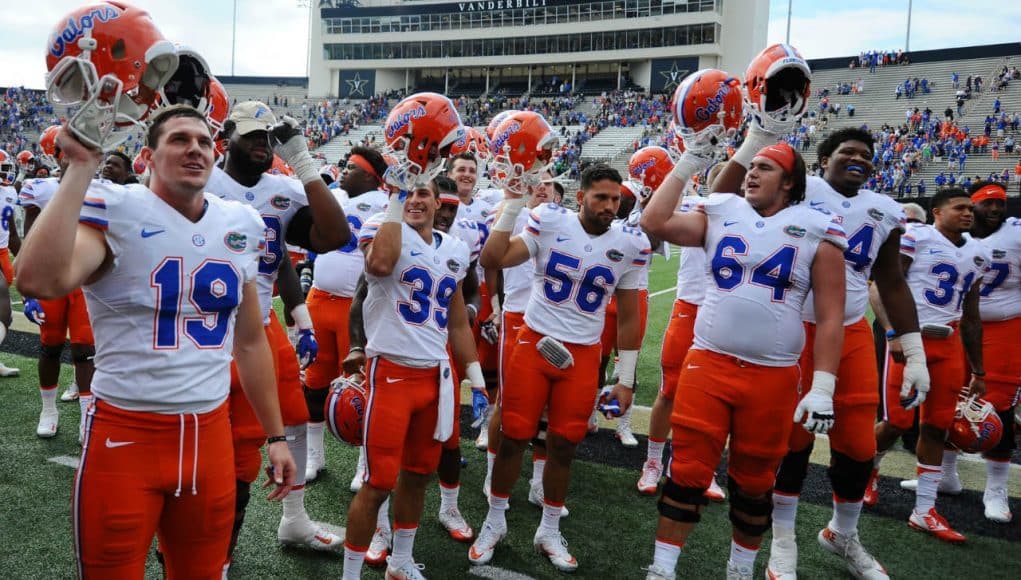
246, 164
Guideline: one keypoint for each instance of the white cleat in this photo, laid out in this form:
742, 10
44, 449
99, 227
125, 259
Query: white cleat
537, 495
356, 481
997, 508
860, 563
455, 524
316, 460
70, 393
482, 550
47, 424
735, 572
657, 573
715, 493
949, 485
652, 472
6, 371
305, 533
554, 546
624, 434
409, 571
379, 547
783, 556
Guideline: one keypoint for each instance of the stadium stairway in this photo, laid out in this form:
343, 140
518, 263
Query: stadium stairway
609, 143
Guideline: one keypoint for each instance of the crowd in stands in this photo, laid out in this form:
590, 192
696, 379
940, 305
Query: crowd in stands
879, 58
24, 113
331, 118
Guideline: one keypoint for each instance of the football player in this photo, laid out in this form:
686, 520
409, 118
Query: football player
581, 259
334, 280
305, 213
159, 450
944, 270
117, 168
10, 242
765, 252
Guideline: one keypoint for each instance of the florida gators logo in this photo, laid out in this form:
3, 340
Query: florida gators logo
403, 120
641, 168
77, 26
280, 202
235, 242
502, 137
714, 103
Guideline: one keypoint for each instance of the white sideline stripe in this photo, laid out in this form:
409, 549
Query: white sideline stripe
65, 460
968, 457
664, 291
495, 573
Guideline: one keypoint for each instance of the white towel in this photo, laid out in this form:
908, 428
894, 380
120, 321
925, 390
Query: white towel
445, 415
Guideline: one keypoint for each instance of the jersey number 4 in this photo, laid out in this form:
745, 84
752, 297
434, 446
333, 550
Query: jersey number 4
775, 272
214, 291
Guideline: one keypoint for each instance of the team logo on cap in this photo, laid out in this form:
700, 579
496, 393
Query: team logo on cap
280, 202
794, 231
235, 241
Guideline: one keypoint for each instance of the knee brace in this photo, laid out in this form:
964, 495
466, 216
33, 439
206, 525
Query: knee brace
51, 351
1007, 444
742, 506
82, 354
791, 477
540, 435
849, 477
686, 495
315, 400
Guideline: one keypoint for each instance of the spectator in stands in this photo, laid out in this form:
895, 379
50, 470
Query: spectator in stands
996, 151
1008, 145
921, 187
850, 110
956, 80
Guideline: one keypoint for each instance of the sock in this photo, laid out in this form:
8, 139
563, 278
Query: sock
538, 466
497, 516
49, 397
315, 435
996, 474
294, 503
785, 511
656, 449
490, 459
354, 557
448, 496
666, 554
383, 515
83, 403
950, 463
404, 543
929, 477
742, 556
550, 516
845, 516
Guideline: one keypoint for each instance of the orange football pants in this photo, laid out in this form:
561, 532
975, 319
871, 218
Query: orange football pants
680, 333
1001, 341
570, 394
947, 374
247, 433
146, 473
510, 324
720, 395
854, 403
329, 314
6, 266
400, 419
608, 340
66, 315
489, 354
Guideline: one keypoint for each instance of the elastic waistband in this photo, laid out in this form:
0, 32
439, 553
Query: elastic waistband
324, 295
156, 421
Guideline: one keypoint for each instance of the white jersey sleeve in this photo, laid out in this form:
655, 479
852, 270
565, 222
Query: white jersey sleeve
941, 273
337, 272
164, 314
1001, 292
8, 200
37, 192
691, 271
517, 280
472, 234
760, 274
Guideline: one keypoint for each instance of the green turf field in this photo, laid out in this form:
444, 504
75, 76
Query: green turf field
610, 528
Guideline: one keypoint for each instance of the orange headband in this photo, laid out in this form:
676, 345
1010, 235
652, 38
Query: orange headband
365, 165
450, 198
781, 153
989, 192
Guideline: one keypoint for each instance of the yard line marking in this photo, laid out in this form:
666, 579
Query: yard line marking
495, 573
65, 460
664, 291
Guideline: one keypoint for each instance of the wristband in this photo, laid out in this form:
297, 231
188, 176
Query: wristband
824, 383
304, 169
911, 344
395, 209
301, 317
891, 334
276, 439
509, 215
472, 310
474, 373
626, 364
356, 349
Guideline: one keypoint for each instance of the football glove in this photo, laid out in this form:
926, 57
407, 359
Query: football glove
34, 311
609, 407
289, 143
307, 347
480, 406
916, 371
816, 408
489, 331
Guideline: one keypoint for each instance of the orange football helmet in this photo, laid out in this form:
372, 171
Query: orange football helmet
419, 132
218, 105
110, 59
708, 99
778, 83
650, 166
8, 170
476, 143
193, 84
522, 147
496, 120
345, 409
48, 143
25, 158
976, 427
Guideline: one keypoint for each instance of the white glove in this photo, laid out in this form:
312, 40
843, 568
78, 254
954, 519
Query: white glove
916, 371
757, 138
395, 207
289, 143
690, 164
816, 408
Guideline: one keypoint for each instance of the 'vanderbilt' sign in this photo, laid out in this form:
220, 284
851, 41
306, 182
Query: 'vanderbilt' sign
499, 5
352, 8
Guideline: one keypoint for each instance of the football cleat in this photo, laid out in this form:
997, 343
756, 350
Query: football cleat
70, 393
6, 371
537, 497
553, 545
624, 434
47, 426
936, 525
715, 492
657, 573
456, 526
997, 508
314, 463
409, 571
482, 550
735, 572
356, 481
652, 472
860, 563
783, 556
871, 496
379, 547
950, 484
305, 533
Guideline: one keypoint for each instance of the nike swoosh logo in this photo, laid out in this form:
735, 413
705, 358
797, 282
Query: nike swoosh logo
694, 367
935, 251
115, 444
729, 223
416, 253
683, 316
393, 380
326, 541
563, 238
151, 233
523, 342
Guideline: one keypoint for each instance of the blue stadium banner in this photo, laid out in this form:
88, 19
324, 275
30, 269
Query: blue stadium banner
357, 84
667, 73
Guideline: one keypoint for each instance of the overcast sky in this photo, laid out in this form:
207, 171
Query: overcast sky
272, 34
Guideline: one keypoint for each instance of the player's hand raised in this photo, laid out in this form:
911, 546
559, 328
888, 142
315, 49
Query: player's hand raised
77, 152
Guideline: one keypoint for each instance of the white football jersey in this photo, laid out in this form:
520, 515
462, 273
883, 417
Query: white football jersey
38, 192
405, 313
164, 314
576, 273
517, 281
633, 221
490, 195
868, 218
276, 198
941, 273
1001, 293
337, 272
8, 199
760, 274
691, 272
472, 234
477, 211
